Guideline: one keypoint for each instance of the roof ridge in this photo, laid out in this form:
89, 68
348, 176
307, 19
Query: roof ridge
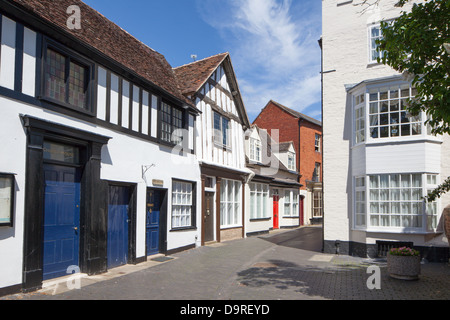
207, 58
299, 114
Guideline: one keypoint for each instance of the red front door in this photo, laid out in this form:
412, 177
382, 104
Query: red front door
276, 199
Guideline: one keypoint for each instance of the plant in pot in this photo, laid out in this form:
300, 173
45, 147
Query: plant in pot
404, 263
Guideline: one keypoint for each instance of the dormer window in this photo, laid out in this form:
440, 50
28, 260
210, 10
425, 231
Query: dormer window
255, 150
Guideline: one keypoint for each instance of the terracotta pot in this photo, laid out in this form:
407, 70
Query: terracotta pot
403, 267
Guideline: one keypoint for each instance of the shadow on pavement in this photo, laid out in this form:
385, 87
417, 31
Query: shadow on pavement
305, 238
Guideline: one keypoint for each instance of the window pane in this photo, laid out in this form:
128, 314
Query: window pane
77, 85
55, 75
6, 187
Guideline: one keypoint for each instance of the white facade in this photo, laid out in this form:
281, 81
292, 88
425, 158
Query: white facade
273, 192
368, 137
127, 115
219, 144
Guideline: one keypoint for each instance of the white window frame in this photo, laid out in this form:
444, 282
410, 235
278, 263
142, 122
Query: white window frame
359, 118
317, 142
291, 203
317, 198
219, 135
433, 208
360, 205
230, 207
259, 201
373, 47
291, 160
386, 110
318, 169
182, 204
255, 150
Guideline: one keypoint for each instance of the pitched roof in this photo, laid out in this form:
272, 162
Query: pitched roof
191, 77
294, 113
107, 38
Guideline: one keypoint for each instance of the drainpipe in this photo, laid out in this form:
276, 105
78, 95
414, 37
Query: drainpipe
322, 151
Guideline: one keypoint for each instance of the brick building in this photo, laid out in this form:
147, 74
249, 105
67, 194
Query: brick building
306, 135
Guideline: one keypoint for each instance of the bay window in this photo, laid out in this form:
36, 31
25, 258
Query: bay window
381, 113
360, 119
395, 202
388, 117
230, 203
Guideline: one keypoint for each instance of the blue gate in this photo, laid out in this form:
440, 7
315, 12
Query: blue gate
61, 220
118, 220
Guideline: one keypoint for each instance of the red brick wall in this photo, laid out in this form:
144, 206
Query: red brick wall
308, 155
272, 117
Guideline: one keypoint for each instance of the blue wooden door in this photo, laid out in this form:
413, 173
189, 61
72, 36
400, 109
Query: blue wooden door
153, 221
119, 199
61, 220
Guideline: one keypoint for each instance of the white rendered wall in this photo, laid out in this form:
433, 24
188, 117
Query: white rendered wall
345, 62
122, 160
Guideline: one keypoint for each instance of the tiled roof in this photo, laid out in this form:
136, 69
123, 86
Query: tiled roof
109, 39
192, 76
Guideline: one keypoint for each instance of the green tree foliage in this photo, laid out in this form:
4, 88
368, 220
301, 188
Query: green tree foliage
416, 44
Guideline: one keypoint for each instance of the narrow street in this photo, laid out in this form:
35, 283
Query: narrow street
284, 265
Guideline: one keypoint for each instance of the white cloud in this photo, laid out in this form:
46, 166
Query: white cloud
273, 45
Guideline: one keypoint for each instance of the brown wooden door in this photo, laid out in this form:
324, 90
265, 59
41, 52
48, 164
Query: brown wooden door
208, 217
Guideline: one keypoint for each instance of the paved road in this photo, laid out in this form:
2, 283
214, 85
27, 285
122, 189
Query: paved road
284, 265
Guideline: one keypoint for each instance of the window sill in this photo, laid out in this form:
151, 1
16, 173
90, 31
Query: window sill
177, 229
67, 106
260, 219
411, 139
397, 231
221, 146
288, 217
230, 227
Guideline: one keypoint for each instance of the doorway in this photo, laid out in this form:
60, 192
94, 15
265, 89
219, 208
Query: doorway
61, 220
276, 200
155, 221
118, 226
208, 217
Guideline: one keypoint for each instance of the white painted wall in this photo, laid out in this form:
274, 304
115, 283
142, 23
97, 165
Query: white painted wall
122, 160
206, 150
345, 62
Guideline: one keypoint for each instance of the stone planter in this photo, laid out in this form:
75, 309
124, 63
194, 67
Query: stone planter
403, 267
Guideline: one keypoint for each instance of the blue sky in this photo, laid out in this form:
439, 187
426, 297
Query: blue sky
272, 43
